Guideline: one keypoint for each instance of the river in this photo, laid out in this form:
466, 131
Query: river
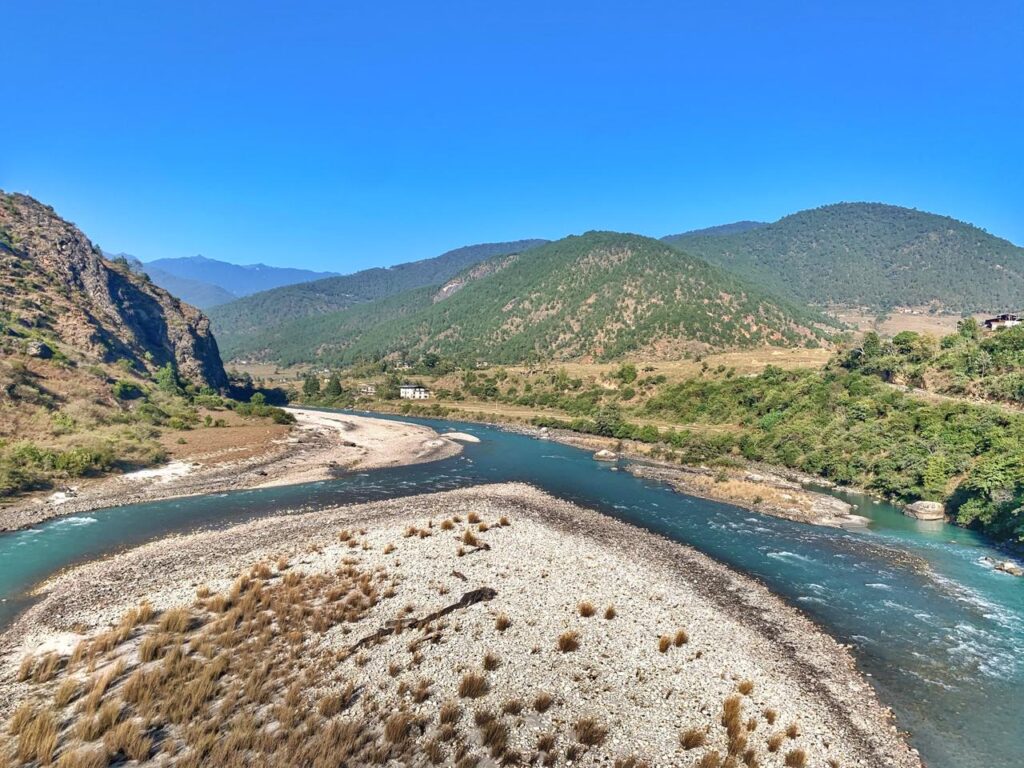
944, 645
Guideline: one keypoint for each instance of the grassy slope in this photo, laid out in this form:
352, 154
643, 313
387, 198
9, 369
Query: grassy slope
871, 254
235, 323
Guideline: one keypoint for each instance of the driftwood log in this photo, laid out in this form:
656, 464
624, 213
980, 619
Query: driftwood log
470, 598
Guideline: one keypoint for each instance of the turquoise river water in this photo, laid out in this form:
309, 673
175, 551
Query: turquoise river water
943, 647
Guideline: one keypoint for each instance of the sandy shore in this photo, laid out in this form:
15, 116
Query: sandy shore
438, 639
320, 446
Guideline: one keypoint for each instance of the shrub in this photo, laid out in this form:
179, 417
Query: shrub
568, 641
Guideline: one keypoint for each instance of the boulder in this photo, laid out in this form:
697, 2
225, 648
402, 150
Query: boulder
605, 455
926, 510
39, 349
1010, 567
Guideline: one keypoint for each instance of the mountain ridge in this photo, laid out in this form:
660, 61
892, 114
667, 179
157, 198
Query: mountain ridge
871, 254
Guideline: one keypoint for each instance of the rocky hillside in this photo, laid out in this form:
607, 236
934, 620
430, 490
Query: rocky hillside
874, 255
599, 296
240, 322
59, 294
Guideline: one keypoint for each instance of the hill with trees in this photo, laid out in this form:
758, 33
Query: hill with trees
873, 255
239, 320
601, 296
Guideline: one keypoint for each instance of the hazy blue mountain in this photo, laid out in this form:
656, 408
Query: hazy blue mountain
237, 279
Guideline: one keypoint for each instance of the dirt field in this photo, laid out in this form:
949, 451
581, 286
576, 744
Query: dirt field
918, 320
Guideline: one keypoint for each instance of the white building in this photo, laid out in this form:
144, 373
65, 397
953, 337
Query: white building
413, 392
1002, 321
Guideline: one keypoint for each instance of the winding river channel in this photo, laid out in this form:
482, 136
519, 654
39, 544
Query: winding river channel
943, 644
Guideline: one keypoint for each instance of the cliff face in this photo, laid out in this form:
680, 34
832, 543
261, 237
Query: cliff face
54, 280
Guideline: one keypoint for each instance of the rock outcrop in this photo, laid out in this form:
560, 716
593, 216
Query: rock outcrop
926, 510
54, 281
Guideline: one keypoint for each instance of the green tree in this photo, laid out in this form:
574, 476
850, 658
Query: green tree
311, 386
333, 387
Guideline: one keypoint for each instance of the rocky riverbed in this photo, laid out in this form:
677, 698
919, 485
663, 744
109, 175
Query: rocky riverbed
490, 625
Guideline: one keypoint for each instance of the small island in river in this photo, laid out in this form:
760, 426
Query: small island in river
490, 626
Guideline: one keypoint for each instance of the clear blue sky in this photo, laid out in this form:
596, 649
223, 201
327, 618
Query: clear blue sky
341, 135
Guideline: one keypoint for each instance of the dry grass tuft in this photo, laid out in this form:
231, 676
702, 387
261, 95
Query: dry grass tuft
129, 740
775, 741
473, 517
609, 612
447, 525
503, 521
796, 758
502, 622
512, 707
681, 638
542, 701
586, 609
37, 737
770, 716
590, 732
491, 661
709, 760
664, 643
568, 641
692, 738
450, 713
746, 687
67, 691
473, 685
398, 727
176, 620
793, 730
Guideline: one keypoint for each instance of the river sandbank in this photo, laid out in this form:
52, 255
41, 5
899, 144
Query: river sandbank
321, 445
491, 625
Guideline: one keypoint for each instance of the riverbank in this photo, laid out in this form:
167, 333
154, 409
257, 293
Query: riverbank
320, 446
495, 621
767, 490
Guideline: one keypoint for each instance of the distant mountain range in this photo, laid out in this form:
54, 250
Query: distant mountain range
599, 296
206, 283
870, 254
256, 313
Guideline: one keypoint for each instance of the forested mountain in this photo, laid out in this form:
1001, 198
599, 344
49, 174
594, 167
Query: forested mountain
734, 228
602, 295
240, 319
869, 254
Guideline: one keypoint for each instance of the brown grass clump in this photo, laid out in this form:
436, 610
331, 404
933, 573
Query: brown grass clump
770, 716
692, 738
609, 612
84, 757
590, 732
796, 758
542, 701
37, 737
447, 525
503, 521
67, 691
473, 685
586, 609
512, 707
28, 663
176, 620
664, 643
681, 638
710, 760
793, 730
775, 741
494, 735
483, 527
129, 740
469, 539
502, 622
568, 641
491, 661
434, 750
746, 687
473, 517
450, 713
398, 727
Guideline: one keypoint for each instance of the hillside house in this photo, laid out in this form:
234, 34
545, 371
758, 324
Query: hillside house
368, 390
413, 392
1002, 321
